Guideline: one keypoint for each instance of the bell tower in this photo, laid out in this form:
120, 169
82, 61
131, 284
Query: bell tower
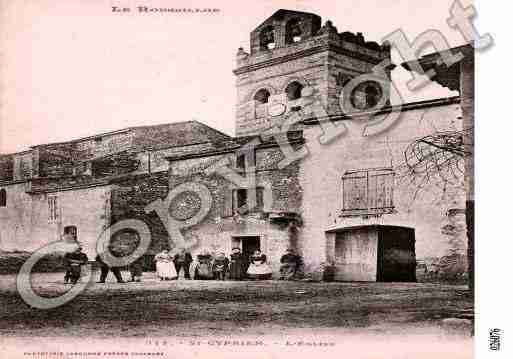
293, 57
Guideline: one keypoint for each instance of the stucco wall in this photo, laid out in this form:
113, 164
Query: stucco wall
16, 219
25, 223
437, 233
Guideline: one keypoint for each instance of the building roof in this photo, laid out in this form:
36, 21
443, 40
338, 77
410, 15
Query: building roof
176, 135
166, 135
447, 76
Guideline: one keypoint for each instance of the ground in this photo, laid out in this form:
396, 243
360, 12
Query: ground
199, 308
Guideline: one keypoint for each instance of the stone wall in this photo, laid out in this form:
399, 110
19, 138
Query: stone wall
129, 199
310, 71
220, 229
23, 166
317, 62
6, 168
103, 145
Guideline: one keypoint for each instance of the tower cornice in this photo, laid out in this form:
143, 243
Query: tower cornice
325, 47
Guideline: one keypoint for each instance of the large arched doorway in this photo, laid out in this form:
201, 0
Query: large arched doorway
376, 253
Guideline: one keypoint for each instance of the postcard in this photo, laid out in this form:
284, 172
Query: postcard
238, 179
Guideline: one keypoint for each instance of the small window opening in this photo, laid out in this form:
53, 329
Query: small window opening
293, 91
267, 41
293, 31
262, 96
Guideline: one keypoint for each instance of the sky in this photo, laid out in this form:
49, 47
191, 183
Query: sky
71, 69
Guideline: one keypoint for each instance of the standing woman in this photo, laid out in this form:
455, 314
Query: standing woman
204, 267
236, 264
165, 266
259, 268
220, 266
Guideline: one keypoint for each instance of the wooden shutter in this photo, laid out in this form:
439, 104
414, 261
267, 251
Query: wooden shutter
381, 190
355, 191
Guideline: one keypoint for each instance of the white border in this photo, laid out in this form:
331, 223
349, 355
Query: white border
494, 179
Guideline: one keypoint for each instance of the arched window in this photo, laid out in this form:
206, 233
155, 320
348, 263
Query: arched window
262, 96
3, 198
293, 31
267, 38
293, 90
366, 95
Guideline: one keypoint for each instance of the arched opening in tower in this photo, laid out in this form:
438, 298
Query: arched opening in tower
267, 41
262, 96
293, 91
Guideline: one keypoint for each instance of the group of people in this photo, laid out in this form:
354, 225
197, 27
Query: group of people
204, 266
213, 266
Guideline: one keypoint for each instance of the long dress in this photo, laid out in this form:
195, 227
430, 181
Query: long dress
220, 267
236, 266
203, 269
165, 266
290, 266
259, 268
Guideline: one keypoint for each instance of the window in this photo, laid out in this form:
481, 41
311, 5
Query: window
240, 163
240, 199
3, 198
72, 231
262, 96
245, 159
267, 38
293, 31
366, 95
293, 91
53, 209
367, 191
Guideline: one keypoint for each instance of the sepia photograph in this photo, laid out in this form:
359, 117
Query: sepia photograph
238, 179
